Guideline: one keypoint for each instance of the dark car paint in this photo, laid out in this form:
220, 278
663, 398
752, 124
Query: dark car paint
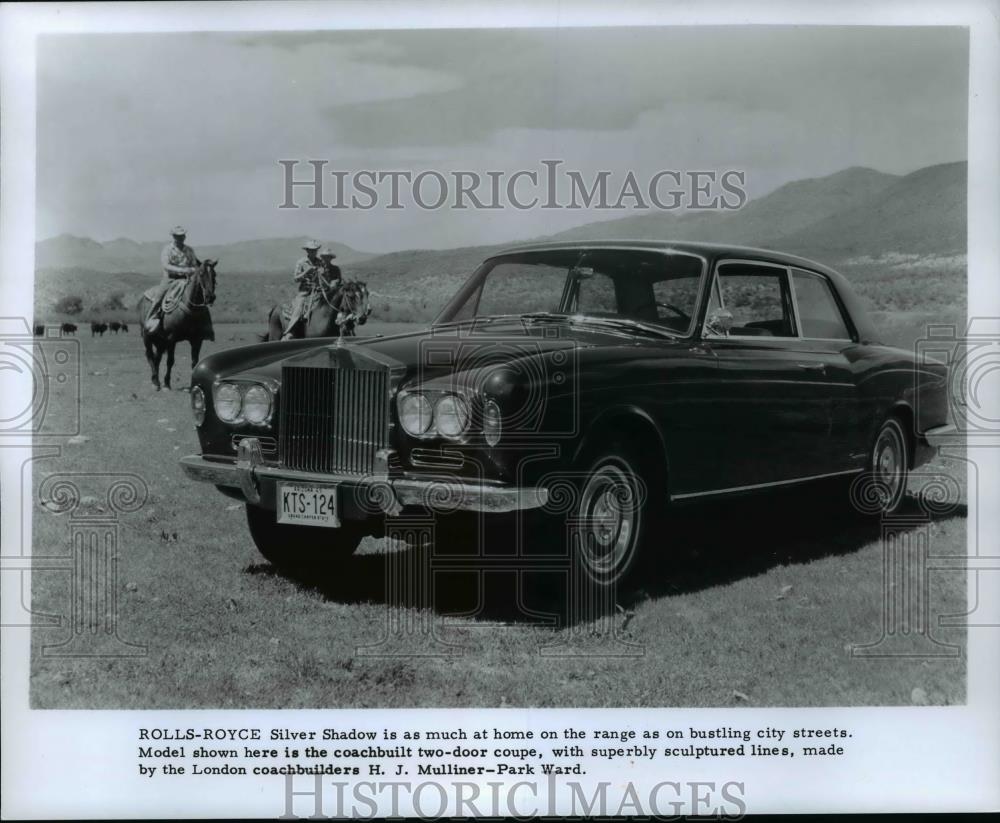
723, 413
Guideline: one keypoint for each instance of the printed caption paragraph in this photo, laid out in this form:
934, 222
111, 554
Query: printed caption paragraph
487, 750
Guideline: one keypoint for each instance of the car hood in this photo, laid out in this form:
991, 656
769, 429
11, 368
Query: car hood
450, 348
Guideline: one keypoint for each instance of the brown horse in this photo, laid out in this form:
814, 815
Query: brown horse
336, 310
188, 319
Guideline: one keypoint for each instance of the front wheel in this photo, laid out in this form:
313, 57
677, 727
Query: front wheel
301, 547
888, 466
615, 517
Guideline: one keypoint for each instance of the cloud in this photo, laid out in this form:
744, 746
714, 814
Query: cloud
135, 131
605, 79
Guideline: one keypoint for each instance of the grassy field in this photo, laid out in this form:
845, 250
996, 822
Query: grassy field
759, 604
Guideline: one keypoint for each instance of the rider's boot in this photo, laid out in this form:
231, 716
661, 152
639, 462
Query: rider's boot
153, 323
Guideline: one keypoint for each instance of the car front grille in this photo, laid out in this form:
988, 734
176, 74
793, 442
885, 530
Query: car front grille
333, 419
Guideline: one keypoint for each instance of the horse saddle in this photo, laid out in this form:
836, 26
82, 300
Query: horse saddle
170, 296
309, 302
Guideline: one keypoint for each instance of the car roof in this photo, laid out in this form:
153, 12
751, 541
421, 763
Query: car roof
713, 250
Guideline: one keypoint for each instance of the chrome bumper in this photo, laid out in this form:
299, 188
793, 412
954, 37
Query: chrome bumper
947, 435
258, 480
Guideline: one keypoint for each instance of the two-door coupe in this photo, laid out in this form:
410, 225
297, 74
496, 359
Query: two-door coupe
594, 385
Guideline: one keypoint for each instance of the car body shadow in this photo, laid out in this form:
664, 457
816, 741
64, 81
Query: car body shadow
473, 572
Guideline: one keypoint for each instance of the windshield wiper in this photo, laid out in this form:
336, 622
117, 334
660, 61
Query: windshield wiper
624, 323
543, 315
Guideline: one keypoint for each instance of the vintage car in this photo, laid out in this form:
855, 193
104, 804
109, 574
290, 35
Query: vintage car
591, 385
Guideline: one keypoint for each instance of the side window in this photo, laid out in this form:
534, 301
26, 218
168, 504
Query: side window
819, 314
758, 298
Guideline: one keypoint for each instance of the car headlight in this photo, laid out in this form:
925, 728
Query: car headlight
198, 405
415, 414
256, 404
228, 402
451, 416
492, 425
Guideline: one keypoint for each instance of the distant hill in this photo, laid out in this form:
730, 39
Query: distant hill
921, 213
857, 212
270, 255
791, 207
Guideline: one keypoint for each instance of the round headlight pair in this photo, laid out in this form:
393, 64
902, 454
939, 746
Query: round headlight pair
234, 403
449, 417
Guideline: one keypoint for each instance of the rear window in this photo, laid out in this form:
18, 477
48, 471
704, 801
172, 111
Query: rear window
819, 315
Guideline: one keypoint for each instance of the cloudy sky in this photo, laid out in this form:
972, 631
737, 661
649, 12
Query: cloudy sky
139, 132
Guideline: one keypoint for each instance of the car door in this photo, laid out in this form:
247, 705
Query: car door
774, 410
827, 337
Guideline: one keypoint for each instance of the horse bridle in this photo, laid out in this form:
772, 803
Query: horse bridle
345, 293
204, 271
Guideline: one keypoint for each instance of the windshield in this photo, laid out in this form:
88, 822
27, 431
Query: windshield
649, 287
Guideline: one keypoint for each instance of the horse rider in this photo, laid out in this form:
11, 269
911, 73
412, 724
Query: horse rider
307, 272
331, 271
179, 261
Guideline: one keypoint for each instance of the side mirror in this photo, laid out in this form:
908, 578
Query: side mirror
719, 321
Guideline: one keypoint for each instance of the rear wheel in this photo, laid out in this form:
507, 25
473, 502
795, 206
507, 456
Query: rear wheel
301, 547
888, 466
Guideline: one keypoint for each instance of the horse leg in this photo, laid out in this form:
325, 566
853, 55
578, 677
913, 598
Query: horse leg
170, 364
153, 354
195, 352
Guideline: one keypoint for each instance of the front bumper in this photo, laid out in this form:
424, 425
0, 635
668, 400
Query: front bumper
257, 481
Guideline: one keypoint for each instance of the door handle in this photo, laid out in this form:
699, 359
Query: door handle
812, 366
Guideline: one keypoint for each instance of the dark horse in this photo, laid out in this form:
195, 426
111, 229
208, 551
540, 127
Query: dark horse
189, 319
336, 310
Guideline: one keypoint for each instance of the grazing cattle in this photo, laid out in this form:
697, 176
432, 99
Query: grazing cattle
68, 328
124, 327
98, 328
185, 317
115, 326
39, 330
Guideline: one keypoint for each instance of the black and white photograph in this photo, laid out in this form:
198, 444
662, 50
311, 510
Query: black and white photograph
380, 365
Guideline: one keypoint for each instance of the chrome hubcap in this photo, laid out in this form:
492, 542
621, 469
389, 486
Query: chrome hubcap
608, 519
888, 466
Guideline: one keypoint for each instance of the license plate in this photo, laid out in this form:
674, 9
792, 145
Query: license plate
308, 505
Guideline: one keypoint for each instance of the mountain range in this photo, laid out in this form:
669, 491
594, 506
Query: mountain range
857, 211
890, 233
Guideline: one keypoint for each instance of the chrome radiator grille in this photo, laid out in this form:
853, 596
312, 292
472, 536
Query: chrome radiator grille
333, 420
